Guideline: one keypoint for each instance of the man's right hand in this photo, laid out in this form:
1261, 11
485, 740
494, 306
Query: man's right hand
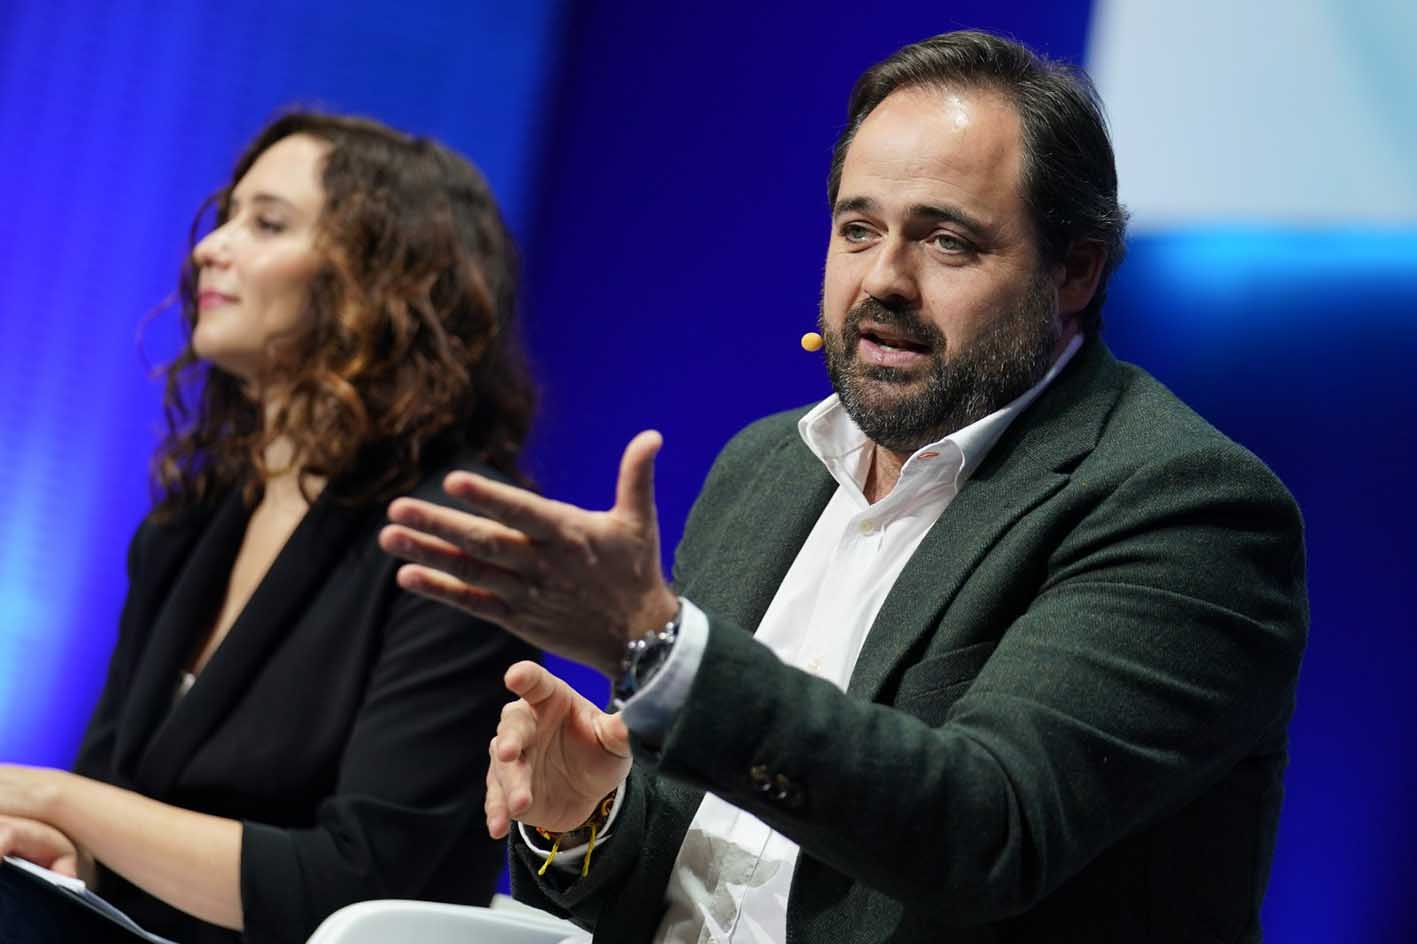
555, 756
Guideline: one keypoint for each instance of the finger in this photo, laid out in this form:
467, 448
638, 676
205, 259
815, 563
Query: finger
536, 517
439, 586
437, 554
66, 865
513, 778
634, 490
480, 538
516, 730
420, 548
494, 806
35, 842
614, 737
531, 682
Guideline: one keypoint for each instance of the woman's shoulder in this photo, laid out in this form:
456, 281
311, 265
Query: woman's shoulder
167, 529
430, 486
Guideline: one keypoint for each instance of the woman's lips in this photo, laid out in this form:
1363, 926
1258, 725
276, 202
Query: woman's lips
210, 299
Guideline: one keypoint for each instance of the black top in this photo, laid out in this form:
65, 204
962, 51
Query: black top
342, 720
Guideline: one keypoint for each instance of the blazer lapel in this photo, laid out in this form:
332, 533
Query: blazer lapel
790, 490
179, 596
1029, 464
313, 549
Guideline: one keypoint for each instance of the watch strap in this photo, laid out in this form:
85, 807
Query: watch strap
644, 657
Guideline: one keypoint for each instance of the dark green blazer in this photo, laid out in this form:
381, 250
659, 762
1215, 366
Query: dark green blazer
1067, 723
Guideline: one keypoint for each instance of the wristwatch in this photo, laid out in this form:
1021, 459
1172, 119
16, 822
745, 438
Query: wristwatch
644, 657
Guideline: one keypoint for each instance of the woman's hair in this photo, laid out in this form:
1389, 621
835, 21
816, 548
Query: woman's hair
410, 352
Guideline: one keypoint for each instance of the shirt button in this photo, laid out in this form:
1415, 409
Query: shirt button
866, 527
815, 666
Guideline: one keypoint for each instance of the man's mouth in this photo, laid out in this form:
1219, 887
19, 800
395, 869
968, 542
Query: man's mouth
891, 341
881, 347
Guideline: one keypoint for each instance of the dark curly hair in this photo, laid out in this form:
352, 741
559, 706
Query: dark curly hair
411, 352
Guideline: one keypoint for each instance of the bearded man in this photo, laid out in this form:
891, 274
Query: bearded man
998, 643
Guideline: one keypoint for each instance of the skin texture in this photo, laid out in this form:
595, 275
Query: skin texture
257, 267
930, 216
190, 860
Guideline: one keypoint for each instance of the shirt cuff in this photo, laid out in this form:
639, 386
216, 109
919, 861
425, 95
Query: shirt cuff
569, 860
651, 711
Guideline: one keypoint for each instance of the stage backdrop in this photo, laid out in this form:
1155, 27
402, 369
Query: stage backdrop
664, 166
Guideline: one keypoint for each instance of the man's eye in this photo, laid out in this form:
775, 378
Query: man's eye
947, 242
855, 233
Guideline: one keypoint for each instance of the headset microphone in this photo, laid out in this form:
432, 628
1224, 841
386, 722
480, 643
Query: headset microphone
811, 342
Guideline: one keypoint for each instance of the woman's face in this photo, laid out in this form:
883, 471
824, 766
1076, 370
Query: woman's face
254, 270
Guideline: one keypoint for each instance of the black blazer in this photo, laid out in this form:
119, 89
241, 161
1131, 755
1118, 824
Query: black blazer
1067, 723
343, 721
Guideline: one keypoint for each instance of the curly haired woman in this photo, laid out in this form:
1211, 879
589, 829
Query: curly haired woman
284, 730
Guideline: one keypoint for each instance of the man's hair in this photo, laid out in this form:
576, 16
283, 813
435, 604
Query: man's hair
1069, 175
410, 351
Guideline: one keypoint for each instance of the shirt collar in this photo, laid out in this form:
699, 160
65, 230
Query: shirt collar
838, 442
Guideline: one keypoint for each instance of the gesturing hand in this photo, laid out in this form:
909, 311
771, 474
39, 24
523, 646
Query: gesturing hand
577, 583
555, 755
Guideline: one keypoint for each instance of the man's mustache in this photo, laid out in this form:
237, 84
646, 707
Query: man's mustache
908, 322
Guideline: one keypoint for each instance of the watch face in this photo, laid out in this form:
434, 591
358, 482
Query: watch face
644, 657
652, 658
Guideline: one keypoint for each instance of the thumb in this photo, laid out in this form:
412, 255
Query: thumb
634, 492
614, 737
67, 864
531, 682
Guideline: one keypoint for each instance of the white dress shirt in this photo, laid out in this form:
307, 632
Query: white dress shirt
731, 879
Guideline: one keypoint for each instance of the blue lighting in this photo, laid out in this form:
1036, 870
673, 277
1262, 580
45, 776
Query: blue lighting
131, 117
1223, 265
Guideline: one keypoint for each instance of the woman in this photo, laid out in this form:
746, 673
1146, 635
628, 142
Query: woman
283, 730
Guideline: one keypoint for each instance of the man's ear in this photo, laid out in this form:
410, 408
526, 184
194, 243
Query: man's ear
1076, 277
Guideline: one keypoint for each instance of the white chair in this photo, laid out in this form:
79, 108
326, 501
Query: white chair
394, 921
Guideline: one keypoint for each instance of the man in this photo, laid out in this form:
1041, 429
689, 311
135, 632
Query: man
999, 643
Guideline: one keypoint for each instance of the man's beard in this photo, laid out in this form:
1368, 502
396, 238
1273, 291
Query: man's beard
902, 409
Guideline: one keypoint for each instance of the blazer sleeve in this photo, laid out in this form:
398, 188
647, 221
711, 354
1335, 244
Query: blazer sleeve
570, 895
636, 856
409, 791
95, 756
1161, 648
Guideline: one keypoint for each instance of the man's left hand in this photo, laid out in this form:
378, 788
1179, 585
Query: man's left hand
578, 583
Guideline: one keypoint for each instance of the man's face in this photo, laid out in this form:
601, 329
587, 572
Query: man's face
935, 308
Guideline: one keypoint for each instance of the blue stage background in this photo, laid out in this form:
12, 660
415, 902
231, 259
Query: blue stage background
664, 167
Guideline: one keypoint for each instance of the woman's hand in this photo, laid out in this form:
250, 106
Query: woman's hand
190, 860
30, 792
28, 797
555, 756
40, 843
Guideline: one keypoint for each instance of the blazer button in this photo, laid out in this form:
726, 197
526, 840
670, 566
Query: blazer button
760, 778
785, 791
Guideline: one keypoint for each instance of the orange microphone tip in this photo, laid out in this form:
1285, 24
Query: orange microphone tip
811, 342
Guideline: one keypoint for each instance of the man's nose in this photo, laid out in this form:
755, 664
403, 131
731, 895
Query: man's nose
892, 277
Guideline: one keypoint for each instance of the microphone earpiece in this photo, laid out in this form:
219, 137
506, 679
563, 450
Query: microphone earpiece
811, 342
